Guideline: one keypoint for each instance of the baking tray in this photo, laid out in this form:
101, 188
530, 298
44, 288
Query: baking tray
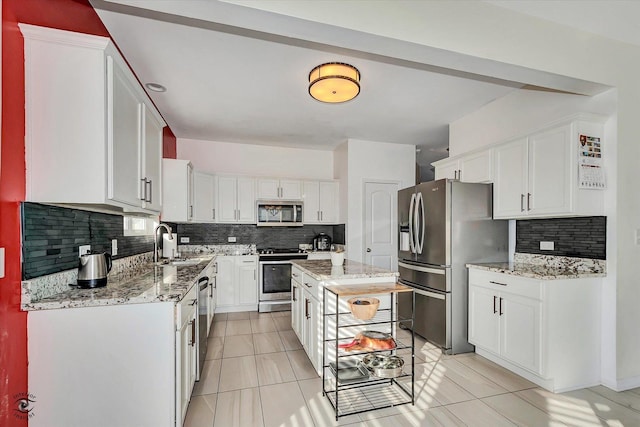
351, 371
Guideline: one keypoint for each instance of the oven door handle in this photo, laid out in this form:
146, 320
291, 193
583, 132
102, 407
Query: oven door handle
275, 262
429, 294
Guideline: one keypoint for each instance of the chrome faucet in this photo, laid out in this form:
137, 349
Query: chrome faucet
155, 239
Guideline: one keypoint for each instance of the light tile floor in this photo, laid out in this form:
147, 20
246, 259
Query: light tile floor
257, 374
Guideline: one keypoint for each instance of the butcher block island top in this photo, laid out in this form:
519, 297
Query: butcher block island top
323, 270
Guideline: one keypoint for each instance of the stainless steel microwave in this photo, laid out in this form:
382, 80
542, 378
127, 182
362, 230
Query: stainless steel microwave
279, 213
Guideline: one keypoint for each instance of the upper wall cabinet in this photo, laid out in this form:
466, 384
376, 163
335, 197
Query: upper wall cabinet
93, 137
474, 167
537, 176
178, 189
320, 202
236, 199
276, 189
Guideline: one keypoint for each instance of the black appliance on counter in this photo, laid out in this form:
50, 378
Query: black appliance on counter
274, 278
322, 242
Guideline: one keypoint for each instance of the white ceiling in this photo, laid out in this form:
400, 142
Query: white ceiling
226, 84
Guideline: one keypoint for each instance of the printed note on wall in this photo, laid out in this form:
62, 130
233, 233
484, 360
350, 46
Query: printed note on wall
590, 167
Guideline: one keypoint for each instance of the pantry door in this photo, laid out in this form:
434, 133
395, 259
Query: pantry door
380, 222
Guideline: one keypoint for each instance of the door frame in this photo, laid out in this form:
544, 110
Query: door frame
363, 241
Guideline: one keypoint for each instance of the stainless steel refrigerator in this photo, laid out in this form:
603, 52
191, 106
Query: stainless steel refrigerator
442, 226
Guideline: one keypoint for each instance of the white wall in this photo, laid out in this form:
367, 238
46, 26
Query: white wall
256, 160
369, 161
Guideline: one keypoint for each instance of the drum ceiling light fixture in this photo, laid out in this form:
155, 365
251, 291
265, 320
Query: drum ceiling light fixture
334, 82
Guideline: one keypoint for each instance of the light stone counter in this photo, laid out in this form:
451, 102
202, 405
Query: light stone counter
323, 270
546, 267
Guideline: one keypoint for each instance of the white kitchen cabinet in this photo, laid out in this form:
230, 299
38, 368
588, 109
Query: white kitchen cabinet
544, 330
186, 351
236, 200
320, 202
297, 301
237, 283
279, 189
474, 167
178, 189
96, 139
204, 207
537, 176
311, 325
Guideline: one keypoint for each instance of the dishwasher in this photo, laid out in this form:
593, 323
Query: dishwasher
205, 290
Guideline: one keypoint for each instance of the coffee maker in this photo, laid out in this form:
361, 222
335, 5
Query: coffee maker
322, 242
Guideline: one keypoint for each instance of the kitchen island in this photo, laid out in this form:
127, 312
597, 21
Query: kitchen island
308, 279
124, 354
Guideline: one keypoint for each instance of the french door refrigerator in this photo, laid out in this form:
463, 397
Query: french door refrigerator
442, 226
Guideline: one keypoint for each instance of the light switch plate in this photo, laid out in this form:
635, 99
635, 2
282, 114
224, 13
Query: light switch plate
114, 247
1, 263
546, 246
184, 240
231, 239
84, 249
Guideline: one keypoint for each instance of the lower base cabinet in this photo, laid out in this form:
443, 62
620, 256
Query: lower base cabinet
237, 283
120, 365
544, 330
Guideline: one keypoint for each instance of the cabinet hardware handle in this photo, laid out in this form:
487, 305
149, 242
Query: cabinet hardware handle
494, 304
307, 285
318, 215
194, 302
193, 333
150, 182
497, 283
306, 308
522, 203
190, 211
214, 213
321, 215
143, 189
528, 201
294, 274
294, 294
460, 174
500, 306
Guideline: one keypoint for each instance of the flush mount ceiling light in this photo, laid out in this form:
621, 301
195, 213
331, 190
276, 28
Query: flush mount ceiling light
156, 87
334, 82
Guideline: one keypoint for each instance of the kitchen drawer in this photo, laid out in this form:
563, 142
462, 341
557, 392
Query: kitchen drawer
186, 307
312, 286
502, 282
297, 274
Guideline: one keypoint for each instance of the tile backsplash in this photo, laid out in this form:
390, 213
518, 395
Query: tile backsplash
51, 236
580, 237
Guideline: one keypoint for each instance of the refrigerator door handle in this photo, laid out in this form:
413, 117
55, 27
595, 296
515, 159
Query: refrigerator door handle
429, 294
412, 243
422, 269
422, 221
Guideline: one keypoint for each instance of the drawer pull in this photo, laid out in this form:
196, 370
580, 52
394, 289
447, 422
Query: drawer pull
494, 304
500, 306
294, 274
307, 285
497, 283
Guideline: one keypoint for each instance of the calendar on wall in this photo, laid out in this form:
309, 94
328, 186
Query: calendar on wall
590, 166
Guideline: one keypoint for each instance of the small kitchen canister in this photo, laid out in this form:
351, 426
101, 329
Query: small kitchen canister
337, 258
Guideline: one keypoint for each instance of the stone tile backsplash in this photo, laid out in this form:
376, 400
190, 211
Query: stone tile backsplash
580, 237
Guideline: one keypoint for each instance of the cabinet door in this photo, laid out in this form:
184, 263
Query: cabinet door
510, 180
226, 291
315, 334
307, 331
328, 198
268, 188
484, 319
521, 331
227, 191
246, 200
448, 170
203, 191
290, 189
124, 140
185, 366
296, 295
477, 167
550, 167
247, 280
310, 197
152, 160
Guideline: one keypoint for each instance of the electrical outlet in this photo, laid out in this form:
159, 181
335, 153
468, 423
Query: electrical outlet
546, 246
231, 239
84, 249
114, 247
184, 240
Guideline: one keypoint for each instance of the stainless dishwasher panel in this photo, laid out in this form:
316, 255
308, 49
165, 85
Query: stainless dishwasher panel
432, 316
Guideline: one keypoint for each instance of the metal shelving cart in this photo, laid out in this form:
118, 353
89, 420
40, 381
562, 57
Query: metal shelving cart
350, 387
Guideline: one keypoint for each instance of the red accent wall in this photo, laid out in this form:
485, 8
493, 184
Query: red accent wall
72, 15
169, 146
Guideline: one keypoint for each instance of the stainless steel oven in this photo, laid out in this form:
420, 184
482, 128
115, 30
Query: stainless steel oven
274, 266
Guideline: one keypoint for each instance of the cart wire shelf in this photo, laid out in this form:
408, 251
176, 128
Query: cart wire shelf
368, 397
382, 316
331, 345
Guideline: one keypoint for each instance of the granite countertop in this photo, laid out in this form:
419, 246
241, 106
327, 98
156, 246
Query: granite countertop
547, 267
323, 270
144, 284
